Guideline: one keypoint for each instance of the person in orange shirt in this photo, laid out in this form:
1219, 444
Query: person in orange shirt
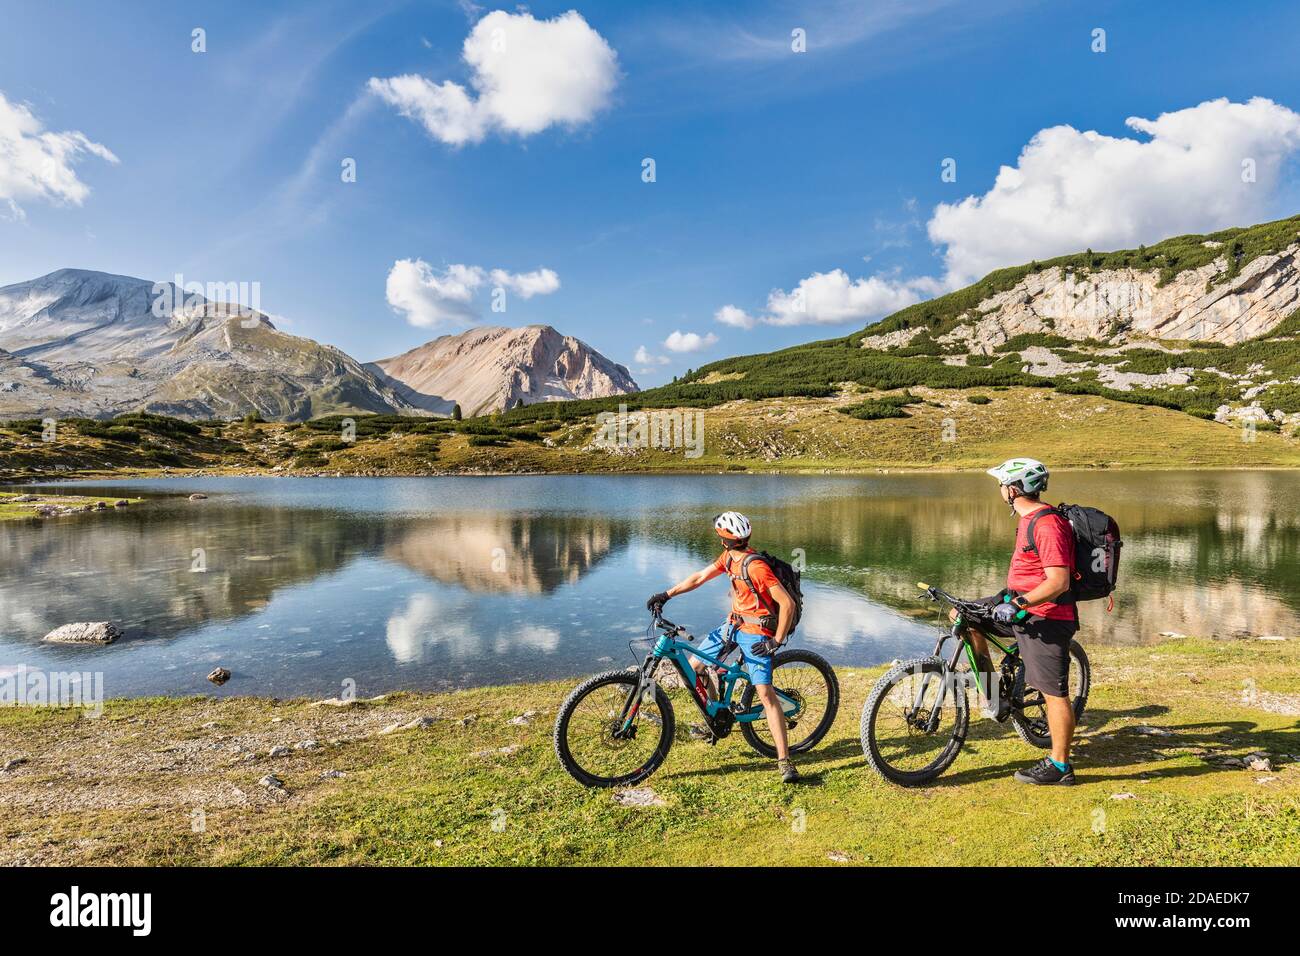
758, 623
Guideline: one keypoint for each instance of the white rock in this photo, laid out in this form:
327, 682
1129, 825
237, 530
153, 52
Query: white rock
86, 632
1122, 796
639, 797
279, 750
306, 745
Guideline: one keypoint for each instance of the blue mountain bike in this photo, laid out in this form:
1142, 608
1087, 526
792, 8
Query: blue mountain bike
616, 728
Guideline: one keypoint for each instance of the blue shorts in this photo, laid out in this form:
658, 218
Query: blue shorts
760, 668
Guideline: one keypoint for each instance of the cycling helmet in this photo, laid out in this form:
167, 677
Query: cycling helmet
1029, 475
732, 524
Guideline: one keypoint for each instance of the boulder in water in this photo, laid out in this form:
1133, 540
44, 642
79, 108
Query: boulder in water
85, 632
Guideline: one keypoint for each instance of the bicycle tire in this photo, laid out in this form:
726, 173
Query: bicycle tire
563, 720
749, 730
871, 711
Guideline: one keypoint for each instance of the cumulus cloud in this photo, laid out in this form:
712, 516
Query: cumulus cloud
736, 318
429, 298
829, 298
526, 76
689, 341
36, 163
527, 284
1072, 190
645, 358
1195, 170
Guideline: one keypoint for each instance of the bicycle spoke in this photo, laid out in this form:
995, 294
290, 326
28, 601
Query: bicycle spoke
901, 727
596, 738
804, 683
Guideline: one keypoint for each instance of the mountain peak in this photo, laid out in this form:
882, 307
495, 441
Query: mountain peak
492, 367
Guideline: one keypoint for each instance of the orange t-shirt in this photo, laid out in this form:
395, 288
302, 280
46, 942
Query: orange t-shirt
743, 600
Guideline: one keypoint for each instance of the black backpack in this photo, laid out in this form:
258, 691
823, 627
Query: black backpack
786, 574
1096, 550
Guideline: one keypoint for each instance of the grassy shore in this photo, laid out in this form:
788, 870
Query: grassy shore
16, 506
170, 781
943, 429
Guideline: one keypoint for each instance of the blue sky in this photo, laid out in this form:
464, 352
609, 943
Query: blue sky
772, 167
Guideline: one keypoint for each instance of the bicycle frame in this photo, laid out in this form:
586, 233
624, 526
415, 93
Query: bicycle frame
958, 632
679, 652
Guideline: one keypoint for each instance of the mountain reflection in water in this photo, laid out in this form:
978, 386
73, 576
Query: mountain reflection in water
300, 584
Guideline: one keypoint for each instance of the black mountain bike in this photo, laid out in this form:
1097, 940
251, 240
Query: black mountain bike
915, 721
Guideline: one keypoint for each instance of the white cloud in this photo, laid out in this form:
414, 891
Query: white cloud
428, 298
830, 298
736, 318
527, 75
36, 163
645, 359
527, 284
1072, 190
689, 341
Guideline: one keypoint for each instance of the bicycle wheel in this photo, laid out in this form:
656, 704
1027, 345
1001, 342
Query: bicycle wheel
895, 738
587, 738
1030, 721
811, 680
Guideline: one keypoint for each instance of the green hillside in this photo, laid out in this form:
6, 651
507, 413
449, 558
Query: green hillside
819, 369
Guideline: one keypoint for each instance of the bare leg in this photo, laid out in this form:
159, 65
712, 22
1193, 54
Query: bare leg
775, 718
1060, 720
710, 675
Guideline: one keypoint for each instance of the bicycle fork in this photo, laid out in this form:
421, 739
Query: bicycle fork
645, 686
949, 669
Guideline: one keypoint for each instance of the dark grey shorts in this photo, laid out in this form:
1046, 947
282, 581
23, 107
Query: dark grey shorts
1045, 648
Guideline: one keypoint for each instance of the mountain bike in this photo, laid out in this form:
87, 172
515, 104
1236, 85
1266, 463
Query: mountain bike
914, 723
616, 728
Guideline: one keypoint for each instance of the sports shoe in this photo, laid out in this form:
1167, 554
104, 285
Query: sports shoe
1045, 773
786, 769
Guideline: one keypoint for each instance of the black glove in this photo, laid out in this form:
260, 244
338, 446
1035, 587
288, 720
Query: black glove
764, 648
657, 601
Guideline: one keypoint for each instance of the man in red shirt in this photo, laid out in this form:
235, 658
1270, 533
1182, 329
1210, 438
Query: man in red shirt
1038, 582
752, 625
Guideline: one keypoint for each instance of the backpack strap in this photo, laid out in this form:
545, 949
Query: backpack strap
1033, 520
769, 620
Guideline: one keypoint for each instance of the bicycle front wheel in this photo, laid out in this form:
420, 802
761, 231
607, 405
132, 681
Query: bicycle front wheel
897, 721
809, 679
592, 742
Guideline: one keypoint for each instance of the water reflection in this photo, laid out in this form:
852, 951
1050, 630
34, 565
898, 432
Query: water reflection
450, 582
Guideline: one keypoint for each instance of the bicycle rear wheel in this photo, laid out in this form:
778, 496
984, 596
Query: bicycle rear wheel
590, 739
810, 679
895, 720
1030, 720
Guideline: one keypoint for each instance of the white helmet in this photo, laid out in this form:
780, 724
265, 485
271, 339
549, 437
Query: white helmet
1031, 475
732, 524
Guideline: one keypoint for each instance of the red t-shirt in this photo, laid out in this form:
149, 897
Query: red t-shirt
743, 600
1055, 540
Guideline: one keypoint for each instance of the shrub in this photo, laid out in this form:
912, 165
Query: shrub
978, 399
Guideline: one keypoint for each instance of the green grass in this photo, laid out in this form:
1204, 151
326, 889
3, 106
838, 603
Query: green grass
11, 510
448, 795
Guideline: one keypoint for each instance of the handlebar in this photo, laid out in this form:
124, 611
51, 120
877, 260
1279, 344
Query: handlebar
974, 609
665, 625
